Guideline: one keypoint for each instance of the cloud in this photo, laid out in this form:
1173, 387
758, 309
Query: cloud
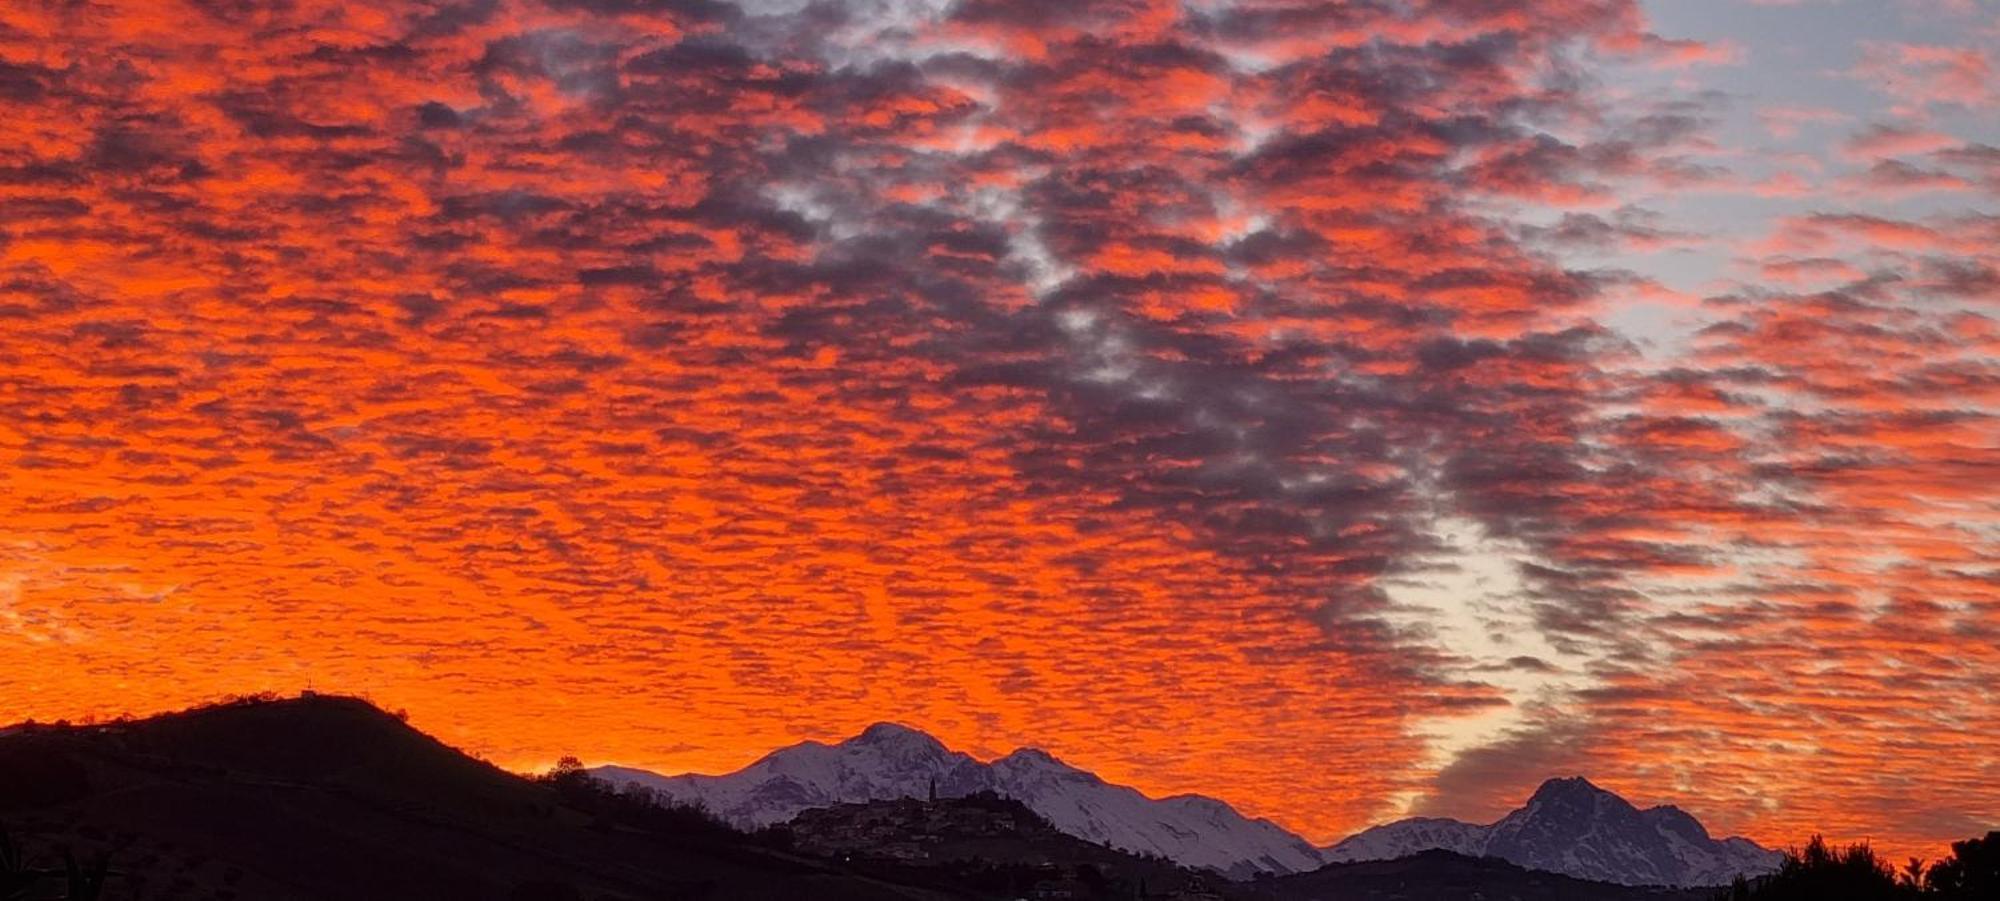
1923, 77
1482, 785
1880, 140
702, 376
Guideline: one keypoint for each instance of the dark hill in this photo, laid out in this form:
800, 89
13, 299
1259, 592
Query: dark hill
994, 847
325, 797
990, 846
1444, 876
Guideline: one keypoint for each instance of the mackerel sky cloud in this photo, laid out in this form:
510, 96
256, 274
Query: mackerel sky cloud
1343, 409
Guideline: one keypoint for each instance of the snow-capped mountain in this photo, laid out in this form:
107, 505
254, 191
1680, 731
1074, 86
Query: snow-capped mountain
1575, 828
891, 761
1406, 837
1194, 830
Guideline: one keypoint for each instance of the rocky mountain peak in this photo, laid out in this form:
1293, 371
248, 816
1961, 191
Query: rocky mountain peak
1576, 828
896, 736
1567, 787
1575, 797
889, 761
1035, 760
1675, 820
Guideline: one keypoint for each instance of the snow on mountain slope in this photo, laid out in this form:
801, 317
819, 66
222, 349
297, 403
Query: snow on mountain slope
1575, 828
890, 761
885, 761
1406, 837
1190, 829
1703, 860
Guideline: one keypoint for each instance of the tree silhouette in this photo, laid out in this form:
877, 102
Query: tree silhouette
1913, 873
86, 881
15, 876
1818, 872
635, 805
1972, 870
82, 881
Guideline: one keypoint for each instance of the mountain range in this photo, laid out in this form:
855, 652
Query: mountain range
322, 798
889, 761
1572, 827
1568, 826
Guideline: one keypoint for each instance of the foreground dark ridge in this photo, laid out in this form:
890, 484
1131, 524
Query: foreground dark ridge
1445, 876
325, 797
1569, 826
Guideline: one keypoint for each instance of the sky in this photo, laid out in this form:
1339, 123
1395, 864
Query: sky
1344, 409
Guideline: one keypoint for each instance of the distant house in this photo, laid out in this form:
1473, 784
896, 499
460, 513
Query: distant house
1195, 890
1065, 887
904, 851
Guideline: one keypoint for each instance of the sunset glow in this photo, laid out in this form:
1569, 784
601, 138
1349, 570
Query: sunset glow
1344, 409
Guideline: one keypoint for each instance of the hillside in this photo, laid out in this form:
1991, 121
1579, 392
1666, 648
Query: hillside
323, 797
1572, 827
329, 798
990, 846
892, 761
1445, 876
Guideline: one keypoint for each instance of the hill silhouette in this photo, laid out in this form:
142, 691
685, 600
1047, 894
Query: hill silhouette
1821, 872
990, 846
328, 797
324, 797
1446, 876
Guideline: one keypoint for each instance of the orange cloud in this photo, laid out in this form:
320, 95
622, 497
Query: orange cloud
651, 383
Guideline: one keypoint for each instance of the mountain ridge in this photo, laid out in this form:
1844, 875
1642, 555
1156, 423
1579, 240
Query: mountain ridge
1573, 827
889, 760
1439, 875
1569, 825
328, 798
